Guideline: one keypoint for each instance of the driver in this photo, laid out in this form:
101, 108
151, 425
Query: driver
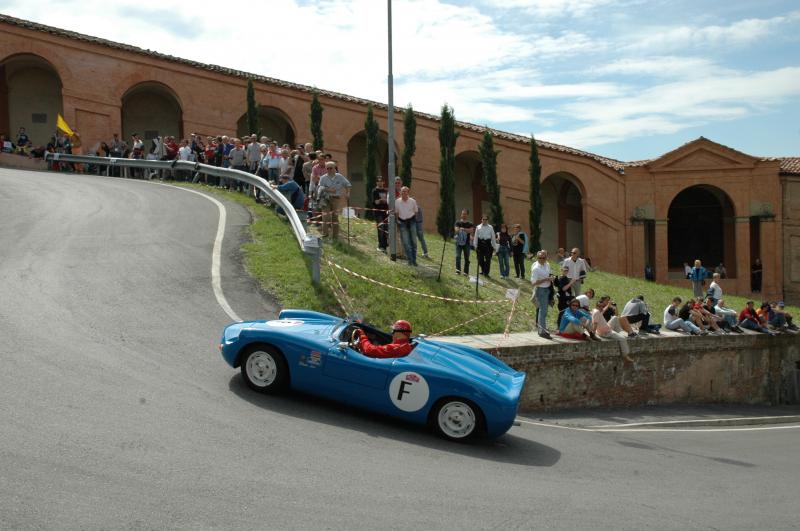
400, 346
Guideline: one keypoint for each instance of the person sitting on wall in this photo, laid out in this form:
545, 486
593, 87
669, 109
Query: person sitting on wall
673, 321
611, 329
635, 311
575, 321
748, 318
399, 347
728, 314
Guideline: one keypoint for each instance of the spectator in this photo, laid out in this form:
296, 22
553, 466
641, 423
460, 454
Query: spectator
563, 286
503, 239
577, 270
405, 208
755, 276
381, 206
610, 329
298, 162
519, 249
779, 318
583, 300
6, 145
463, 236
332, 192
649, 273
710, 312
728, 314
485, 242
673, 321
23, 142
253, 154
293, 193
715, 290
687, 270
184, 154
541, 281
708, 319
698, 275
420, 232
635, 311
748, 318
575, 321
561, 255
723, 273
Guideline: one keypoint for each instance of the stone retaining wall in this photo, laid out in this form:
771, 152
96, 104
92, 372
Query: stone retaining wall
745, 369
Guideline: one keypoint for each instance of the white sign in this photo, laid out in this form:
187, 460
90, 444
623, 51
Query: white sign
409, 391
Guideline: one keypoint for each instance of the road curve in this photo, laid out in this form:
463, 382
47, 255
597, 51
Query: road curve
116, 410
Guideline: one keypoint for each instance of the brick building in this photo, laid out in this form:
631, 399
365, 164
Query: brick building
701, 200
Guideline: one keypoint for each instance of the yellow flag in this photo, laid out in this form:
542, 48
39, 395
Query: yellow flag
62, 124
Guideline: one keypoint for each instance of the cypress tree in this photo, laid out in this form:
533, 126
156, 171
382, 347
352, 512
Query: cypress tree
316, 120
252, 109
370, 163
409, 144
489, 160
446, 217
535, 215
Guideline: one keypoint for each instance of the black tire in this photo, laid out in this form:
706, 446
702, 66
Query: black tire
457, 419
264, 369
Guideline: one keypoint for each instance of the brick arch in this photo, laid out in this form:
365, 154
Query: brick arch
270, 112
564, 215
34, 99
156, 77
701, 224
151, 108
46, 55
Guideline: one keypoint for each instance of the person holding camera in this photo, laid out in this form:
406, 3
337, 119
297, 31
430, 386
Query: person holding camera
612, 327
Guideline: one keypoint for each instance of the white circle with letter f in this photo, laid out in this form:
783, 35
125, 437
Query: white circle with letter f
409, 391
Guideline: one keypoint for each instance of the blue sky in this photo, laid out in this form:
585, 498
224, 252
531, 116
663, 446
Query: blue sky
628, 79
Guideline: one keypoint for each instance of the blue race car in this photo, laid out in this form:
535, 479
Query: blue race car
461, 391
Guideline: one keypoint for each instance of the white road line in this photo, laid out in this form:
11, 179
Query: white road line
216, 253
694, 421
654, 430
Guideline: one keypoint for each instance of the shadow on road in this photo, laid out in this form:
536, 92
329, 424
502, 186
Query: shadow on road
507, 449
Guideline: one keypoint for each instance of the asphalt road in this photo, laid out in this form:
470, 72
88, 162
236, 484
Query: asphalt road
117, 412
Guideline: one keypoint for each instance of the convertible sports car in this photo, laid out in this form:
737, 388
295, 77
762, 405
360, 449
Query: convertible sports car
461, 391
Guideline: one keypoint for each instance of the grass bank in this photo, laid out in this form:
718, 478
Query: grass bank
275, 260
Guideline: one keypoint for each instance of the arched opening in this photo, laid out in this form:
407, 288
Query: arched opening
562, 212
470, 192
701, 226
151, 109
272, 123
30, 97
356, 156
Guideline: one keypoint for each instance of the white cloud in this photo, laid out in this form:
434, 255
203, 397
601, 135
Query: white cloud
674, 106
739, 33
551, 8
669, 66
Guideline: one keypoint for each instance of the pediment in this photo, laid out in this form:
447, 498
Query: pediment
702, 154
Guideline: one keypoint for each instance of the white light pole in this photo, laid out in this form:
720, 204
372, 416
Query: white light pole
391, 171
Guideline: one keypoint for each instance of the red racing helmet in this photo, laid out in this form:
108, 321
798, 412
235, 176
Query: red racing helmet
401, 326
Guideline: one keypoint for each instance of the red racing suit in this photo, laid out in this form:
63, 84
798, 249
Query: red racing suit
392, 350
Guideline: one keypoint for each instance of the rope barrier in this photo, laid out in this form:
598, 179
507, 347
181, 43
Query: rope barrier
459, 325
411, 292
344, 293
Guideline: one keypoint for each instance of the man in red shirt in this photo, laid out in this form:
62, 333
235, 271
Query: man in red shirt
399, 347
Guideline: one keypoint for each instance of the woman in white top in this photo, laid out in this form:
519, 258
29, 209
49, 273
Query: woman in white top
609, 329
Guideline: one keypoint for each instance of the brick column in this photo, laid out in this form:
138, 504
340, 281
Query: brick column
742, 227
662, 251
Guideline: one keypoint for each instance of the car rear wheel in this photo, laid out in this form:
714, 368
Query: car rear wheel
457, 420
264, 369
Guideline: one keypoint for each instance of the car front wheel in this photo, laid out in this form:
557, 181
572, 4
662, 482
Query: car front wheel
457, 420
264, 369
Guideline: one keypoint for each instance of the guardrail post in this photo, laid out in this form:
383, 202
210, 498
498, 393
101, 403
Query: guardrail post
312, 246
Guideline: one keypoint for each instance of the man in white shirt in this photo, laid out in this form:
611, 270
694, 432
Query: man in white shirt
405, 208
673, 322
541, 281
332, 193
583, 300
485, 242
715, 290
577, 270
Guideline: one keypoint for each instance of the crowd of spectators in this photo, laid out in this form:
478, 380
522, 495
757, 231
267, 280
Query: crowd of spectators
313, 185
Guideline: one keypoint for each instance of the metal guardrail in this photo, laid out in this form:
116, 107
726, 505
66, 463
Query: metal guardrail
309, 244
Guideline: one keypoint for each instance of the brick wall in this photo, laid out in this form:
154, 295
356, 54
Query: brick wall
750, 369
